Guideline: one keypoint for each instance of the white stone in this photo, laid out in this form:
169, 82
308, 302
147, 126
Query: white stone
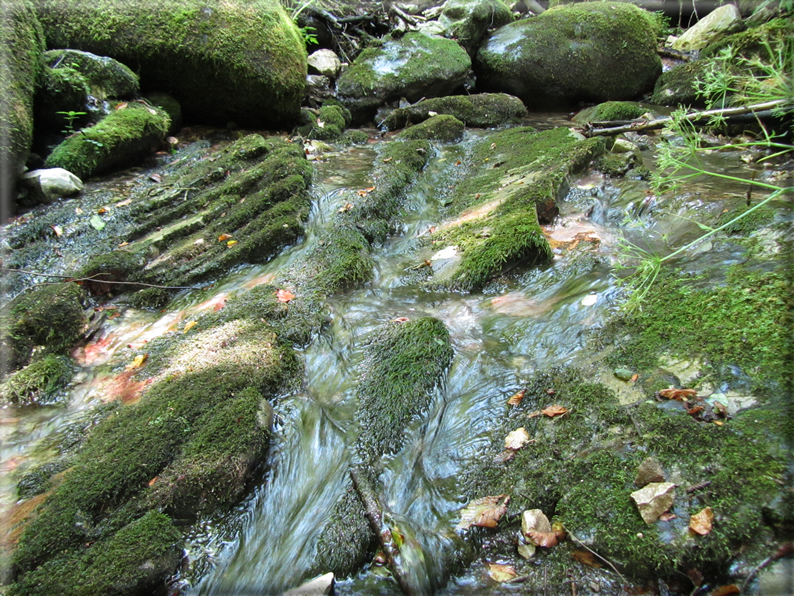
51, 184
720, 22
324, 62
319, 586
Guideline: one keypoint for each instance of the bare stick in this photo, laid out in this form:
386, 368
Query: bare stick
94, 278
607, 561
691, 117
369, 498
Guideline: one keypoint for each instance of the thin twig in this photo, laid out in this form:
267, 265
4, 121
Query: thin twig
783, 551
94, 278
607, 561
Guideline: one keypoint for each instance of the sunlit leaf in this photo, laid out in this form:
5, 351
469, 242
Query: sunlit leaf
485, 512
284, 296
121, 106
516, 439
677, 394
553, 411
123, 203
517, 397
97, 223
726, 590
501, 573
224, 237
58, 230
138, 362
231, 243
188, 326
701, 522
152, 481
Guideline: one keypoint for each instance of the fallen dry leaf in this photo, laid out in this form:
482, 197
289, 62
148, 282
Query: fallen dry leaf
370, 188
517, 439
121, 106
504, 457
284, 296
485, 512
654, 499
501, 573
634, 378
553, 411
224, 237
345, 208
667, 516
695, 410
534, 520
544, 539
726, 590
152, 481
231, 243
138, 362
123, 244
677, 394
123, 203
188, 326
102, 211
155, 178
517, 397
58, 230
585, 557
701, 522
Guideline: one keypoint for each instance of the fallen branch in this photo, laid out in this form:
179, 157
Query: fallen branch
374, 513
691, 117
94, 279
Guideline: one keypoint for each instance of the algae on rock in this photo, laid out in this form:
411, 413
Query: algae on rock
481, 110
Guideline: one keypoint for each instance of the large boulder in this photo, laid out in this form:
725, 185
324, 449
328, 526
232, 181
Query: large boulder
411, 67
106, 77
21, 47
482, 110
719, 23
231, 61
593, 51
469, 20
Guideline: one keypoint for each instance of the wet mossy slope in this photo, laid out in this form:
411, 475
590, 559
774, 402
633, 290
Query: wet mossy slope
513, 180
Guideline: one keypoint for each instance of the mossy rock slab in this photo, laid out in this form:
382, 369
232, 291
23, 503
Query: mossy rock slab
591, 51
513, 180
107, 78
326, 124
439, 128
120, 139
467, 21
21, 48
37, 382
677, 86
610, 110
241, 62
482, 110
411, 67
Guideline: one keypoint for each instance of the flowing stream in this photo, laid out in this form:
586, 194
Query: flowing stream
536, 319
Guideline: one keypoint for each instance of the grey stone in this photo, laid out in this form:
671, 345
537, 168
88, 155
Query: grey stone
324, 62
649, 471
319, 586
50, 184
719, 23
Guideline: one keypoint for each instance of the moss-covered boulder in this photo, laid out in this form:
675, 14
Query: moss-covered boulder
120, 139
439, 128
482, 110
60, 101
677, 86
326, 124
170, 105
235, 61
49, 317
412, 67
37, 382
467, 21
513, 180
592, 51
21, 48
106, 77
610, 110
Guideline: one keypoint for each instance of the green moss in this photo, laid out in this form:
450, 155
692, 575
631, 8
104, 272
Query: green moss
580, 471
677, 85
591, 51
104, 269
170, 106
121, 138
439, 128
610, 110
38, 480
21, 47
106, 77
482, 110
48, 316
37, 382
236, 62
758, 219
752, 42
404, 361
354, 137
468, 21
61, 90
328, 125
741, 323
514, 178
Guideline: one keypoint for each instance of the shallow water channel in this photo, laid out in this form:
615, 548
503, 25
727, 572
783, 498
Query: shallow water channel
525, 322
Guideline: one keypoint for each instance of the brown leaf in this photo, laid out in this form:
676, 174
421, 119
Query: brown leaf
677, 394
585, 557
224, 237
654, 499
534, 414
517, 439
695, 410
544, 539
501, 573
485, 512
553, 411
155, 178
102, 211
701, 522
152, 481
695, 576
667, 516
345, 208
517, 397
634, 378
284, 296
370, 188
504, 457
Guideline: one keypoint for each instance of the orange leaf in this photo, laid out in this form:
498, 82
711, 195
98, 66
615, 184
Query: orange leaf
121, 106
501, 573
634, 378
370, 189
544, 539
585, 557
701, 522
152, 481
553, 411
695, 410
284, 296
679, 394
224, 237
102, 210
485, 512
517, 397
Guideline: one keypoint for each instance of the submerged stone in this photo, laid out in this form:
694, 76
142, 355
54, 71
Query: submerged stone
438, 128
